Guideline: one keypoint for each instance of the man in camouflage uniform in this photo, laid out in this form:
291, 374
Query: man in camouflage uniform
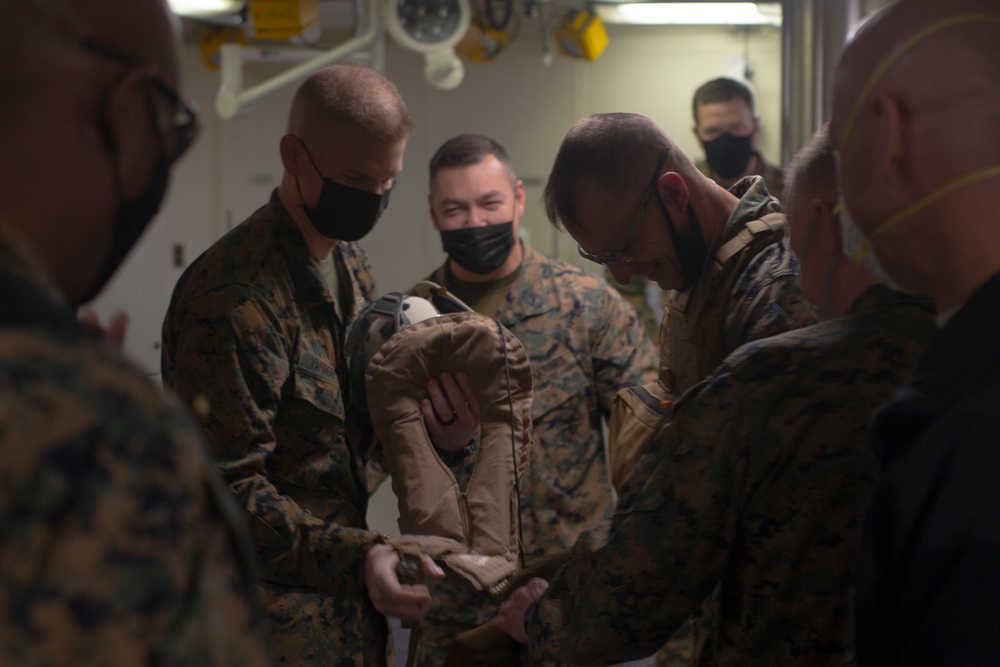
751, 496
722, 255
584, 344
117, 543
728, 130
916, 99
255, 334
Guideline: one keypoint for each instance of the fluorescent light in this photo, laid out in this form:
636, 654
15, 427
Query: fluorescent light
690, 13
205, 8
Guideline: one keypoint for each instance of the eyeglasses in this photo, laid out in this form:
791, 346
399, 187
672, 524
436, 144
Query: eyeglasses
184, 124
616, 253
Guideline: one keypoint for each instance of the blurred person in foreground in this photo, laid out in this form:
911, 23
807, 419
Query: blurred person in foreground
119, 545
916, 121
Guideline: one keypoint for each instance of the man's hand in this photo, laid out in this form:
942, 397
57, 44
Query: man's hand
451, 414
406, 601
114, 333
510, 618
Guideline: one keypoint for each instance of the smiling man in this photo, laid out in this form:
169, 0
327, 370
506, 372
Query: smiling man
584, 342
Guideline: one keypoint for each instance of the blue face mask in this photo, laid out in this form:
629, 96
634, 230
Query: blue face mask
343, 213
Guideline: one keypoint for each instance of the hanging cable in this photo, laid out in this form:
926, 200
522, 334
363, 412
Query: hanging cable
513, 444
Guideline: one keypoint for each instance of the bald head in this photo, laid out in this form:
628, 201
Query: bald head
913, 50
916, 121
614, 151
353, 95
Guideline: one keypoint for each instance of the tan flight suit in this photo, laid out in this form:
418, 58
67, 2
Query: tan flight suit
472, 532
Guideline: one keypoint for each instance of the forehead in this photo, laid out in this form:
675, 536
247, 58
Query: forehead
602, 218
350, 149
733, 110
471, 181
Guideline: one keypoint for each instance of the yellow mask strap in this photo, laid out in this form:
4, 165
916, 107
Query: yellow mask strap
944, 191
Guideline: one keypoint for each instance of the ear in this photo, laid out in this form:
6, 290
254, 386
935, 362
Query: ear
430, 207
519, 199
825, 225
674, 191
293, 156
694, 131
132, 130
888, 145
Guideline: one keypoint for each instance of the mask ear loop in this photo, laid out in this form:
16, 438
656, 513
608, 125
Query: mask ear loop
513, 445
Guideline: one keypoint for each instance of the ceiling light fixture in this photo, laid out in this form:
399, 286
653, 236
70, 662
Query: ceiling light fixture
206, 9
690, 13
432, 28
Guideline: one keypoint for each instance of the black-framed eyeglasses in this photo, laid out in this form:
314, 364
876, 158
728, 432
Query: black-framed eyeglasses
616, 253
184, 123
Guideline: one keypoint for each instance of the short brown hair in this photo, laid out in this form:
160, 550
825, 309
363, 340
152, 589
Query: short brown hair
466, 150
353, 94
721, 90
616, 151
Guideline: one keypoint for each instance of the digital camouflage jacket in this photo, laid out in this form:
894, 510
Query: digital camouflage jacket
254, 340
753, 493
118, 544
584, 343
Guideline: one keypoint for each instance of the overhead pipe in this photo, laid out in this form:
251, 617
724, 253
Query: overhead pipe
231, 97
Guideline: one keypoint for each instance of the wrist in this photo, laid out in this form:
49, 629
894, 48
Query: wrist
453, 458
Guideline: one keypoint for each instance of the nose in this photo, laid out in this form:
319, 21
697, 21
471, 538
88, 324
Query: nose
622, 272
475, 218
384, 186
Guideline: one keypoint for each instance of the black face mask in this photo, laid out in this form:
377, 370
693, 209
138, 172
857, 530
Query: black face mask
343, 213
480, 250
729, 155
692, 252
131, 220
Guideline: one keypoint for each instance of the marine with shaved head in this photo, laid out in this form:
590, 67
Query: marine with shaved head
255, 333
117, 543
916, 120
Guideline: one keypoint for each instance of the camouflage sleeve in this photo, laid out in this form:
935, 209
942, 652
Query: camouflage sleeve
635, 578
634, 292
622, 353
118, 544
375, 471
768, 299
229, 346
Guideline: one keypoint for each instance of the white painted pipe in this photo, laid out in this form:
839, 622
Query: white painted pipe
231, 96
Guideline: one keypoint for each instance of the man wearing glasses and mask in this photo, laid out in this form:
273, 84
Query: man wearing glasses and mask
254, 341
638, 205
119, 545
